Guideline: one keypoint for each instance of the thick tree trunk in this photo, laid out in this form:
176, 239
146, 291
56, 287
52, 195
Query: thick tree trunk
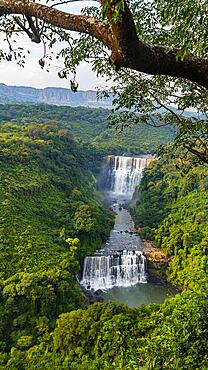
130, 52
159, 60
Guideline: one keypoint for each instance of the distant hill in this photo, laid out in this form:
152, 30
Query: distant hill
51, 95
91, 126
63, 97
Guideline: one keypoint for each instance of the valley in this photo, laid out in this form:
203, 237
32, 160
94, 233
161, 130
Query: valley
68, 203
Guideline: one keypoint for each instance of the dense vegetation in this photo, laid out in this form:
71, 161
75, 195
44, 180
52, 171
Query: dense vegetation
91, 125
172, 39
50, 217
109, 336
171, 207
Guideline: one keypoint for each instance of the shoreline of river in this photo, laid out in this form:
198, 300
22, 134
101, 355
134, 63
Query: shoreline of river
157, 264
156, 260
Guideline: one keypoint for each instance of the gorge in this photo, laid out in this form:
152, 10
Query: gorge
52, 217
120, 264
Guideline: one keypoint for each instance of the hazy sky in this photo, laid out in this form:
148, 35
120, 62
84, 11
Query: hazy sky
33, 75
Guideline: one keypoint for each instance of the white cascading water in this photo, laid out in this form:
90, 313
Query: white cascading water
125, 174
121, 263
118, 269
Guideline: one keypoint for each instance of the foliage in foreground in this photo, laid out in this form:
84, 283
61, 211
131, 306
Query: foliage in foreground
109, 336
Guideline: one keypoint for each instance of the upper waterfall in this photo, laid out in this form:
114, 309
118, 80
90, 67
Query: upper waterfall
122, 174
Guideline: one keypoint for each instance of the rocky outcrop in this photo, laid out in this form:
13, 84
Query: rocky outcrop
154, 255
157, 263
93, 297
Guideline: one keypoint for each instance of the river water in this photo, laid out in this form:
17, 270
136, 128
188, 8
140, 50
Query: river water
139, 294
143, 292
119, 268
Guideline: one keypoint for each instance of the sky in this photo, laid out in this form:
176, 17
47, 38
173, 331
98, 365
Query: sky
33, 75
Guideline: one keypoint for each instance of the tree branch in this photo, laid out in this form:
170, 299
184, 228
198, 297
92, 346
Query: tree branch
58, 18
68, 1
120, 37
22, 26
202, 155
35, 32
131, 52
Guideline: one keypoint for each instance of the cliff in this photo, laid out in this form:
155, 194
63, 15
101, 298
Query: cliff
51, 95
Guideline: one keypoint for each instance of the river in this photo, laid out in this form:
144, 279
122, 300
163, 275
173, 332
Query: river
119, 268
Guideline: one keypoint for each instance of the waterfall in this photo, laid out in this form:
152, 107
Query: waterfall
120, 268
123, 174
121, 262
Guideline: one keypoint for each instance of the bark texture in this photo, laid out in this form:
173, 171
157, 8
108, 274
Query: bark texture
127, 50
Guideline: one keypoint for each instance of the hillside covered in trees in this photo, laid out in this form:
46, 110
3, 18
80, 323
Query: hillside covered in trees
92, 126
52, 216
171, 207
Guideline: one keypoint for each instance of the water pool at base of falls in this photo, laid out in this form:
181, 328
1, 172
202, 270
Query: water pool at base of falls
139, 294
119, 268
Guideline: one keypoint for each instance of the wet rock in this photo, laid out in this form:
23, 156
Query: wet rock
93, 297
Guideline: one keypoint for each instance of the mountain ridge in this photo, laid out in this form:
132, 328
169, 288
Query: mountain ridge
51, 95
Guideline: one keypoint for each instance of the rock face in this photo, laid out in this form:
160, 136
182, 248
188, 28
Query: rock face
157, 264
154, 255
51, 95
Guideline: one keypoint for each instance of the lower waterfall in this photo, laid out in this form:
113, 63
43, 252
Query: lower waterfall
121, 269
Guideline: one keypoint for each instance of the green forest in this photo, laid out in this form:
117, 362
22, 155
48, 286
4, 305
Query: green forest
92, 126
171, 208
52, 216
149, 58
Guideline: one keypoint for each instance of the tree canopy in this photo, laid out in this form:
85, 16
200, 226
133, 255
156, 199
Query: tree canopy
130, 38
154, 53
